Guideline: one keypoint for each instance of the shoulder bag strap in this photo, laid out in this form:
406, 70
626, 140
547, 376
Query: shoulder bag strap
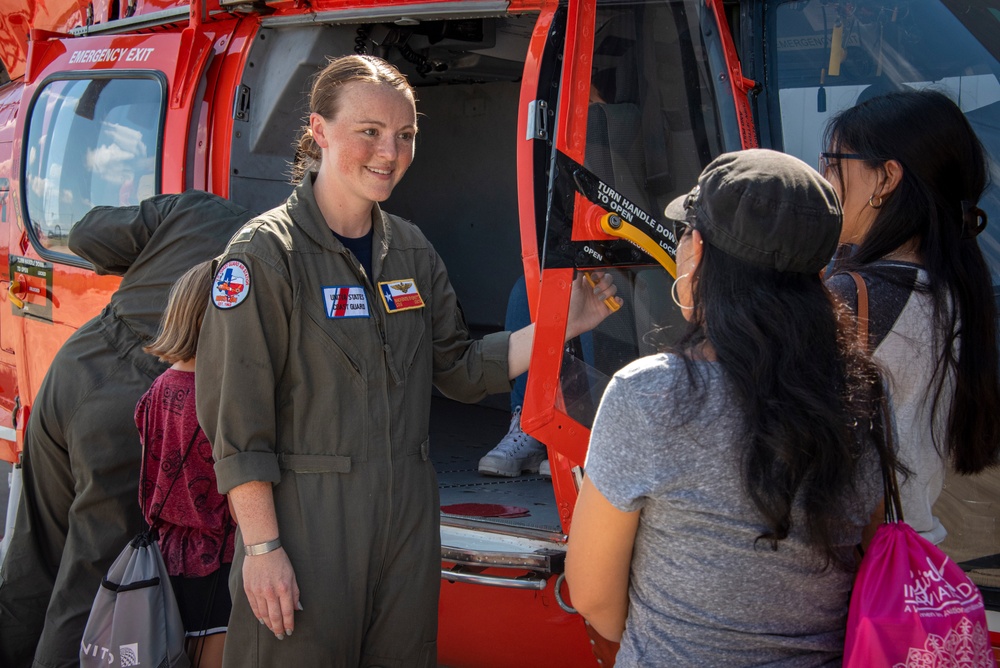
890, 485
862, 314
142, 464
142, 472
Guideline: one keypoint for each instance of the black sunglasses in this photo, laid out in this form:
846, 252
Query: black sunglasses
825, 159
680, 229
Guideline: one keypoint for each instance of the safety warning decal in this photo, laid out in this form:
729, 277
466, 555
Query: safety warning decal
30, 292
345, 301
401, 295
231, 285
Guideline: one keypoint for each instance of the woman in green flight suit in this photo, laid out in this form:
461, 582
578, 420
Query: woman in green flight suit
331, 321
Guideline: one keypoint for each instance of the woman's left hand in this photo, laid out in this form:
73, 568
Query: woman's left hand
587, 306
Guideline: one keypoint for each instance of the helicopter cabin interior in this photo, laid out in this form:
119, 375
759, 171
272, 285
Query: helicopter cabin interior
461, 189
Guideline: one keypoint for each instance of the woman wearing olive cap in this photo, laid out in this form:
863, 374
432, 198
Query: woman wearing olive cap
725, 491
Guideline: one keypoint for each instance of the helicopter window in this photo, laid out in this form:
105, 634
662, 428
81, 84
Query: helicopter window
832, 55
91, 142
652, 125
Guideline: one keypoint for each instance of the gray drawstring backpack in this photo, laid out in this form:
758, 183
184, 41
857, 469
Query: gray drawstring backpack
135, 620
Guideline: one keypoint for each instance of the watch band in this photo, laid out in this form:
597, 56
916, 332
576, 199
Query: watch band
262, 548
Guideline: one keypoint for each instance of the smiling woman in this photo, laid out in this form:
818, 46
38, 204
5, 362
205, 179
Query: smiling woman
350, 317
367, 132
367, 156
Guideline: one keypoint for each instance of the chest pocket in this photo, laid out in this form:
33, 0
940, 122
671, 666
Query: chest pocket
404, 331
358, 344
344, 347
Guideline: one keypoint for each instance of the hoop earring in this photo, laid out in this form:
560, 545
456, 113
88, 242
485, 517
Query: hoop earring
872, 204
673, 294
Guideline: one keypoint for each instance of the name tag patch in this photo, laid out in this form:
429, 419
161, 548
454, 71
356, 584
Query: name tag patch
401, 295
231, 285
346, 301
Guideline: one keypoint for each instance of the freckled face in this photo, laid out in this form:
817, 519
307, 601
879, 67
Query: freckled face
369, 144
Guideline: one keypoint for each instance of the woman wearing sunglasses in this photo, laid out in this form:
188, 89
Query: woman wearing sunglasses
910, 171
729, 479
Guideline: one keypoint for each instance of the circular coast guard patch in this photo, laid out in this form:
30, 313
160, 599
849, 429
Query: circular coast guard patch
231, 285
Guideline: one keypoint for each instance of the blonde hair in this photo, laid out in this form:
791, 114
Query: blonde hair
177, 340
324, 98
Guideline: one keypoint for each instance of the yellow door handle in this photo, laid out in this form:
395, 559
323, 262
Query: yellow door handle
614, 225
609, 301
15, 287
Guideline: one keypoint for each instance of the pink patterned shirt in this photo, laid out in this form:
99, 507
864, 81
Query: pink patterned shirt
193, 516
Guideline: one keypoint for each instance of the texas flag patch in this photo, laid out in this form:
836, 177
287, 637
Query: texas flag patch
401, 295
345, 301
231, 285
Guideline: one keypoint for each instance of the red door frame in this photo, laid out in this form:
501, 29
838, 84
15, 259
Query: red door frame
549, 289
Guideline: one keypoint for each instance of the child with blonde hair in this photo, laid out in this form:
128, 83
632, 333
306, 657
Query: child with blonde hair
178, 494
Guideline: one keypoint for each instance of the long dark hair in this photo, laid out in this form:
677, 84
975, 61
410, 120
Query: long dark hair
945, 171
809, 395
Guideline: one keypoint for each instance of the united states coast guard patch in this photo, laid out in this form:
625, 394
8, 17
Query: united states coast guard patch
231, 285
345, 301
401, 295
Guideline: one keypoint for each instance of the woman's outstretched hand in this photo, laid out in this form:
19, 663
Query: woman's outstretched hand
587, 305
587, 308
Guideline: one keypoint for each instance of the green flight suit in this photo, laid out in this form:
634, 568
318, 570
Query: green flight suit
82, 453
307, 380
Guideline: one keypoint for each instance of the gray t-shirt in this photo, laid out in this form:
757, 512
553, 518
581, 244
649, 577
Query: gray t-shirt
700, 592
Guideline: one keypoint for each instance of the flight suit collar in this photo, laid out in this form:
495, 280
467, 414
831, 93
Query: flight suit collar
304, 210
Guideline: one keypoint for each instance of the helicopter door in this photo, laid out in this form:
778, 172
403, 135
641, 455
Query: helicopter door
645, 101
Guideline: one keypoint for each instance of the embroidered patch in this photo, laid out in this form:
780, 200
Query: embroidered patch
345, 301
401, 295
231, 285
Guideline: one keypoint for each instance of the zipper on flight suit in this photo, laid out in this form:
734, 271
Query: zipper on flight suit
387, 358
376, 314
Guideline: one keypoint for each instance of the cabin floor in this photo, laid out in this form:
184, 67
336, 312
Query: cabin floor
460, 435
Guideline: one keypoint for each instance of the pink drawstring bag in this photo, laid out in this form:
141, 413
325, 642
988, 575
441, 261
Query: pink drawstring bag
913, 607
